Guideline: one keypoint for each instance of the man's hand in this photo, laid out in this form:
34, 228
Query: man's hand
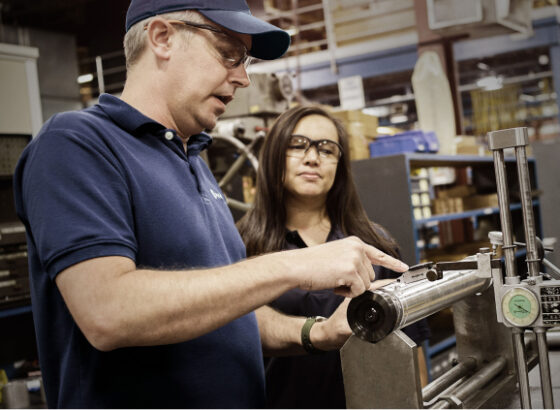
343, 265
333, 332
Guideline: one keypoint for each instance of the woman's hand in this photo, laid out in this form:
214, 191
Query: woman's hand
332, 333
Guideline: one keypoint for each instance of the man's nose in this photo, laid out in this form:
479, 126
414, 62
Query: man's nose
239, 76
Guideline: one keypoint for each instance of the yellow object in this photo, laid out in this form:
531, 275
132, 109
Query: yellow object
3, 381
353, 119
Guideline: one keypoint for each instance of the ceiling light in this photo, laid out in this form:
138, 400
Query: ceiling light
482, 66
398, 118
381, 111
86, 78
490, 83
385, 130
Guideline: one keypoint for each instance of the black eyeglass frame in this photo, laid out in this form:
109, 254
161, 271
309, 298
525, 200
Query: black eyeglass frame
245, 60
316, 144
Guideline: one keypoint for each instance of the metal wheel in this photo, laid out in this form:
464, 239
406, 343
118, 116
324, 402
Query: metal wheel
230, 159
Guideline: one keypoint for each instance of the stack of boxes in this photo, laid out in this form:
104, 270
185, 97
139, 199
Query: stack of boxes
361, 128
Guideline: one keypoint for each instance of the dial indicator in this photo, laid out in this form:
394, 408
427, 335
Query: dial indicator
520, 307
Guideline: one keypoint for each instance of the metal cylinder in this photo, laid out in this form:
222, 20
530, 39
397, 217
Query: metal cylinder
521, 367
374, 315
544, 368
480, 378
471, 386
505, 216
447, 379
533, 260
16, 395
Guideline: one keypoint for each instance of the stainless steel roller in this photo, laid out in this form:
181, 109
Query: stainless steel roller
374, 315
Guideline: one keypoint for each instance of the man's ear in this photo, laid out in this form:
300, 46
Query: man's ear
159, 33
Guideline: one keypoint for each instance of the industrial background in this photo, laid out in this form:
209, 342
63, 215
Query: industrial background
386, 68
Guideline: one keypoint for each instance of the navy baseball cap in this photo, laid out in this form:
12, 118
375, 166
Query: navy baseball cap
268, 41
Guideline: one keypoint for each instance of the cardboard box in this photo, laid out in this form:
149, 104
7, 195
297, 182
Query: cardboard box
356, 122
459, 191
468, 145
480, 201
358, 147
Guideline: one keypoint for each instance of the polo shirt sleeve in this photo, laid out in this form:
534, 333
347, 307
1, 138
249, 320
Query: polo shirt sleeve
75, 200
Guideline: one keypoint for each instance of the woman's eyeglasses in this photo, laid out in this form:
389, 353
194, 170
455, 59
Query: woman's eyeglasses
298, 145
231, 50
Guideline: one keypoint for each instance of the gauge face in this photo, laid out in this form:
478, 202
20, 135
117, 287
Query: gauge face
520, 307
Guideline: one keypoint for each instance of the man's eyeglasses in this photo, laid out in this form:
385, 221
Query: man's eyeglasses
298, 145
231, 50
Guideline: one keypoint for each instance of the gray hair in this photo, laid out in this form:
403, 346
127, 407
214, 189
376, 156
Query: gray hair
135, 38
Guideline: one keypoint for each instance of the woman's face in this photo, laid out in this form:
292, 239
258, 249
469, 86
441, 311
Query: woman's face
312, 158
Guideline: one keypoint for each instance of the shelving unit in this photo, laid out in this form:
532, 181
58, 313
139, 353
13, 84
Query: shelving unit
391, 175
385, 186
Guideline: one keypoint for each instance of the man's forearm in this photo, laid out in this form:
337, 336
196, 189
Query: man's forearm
125, 306
117, 305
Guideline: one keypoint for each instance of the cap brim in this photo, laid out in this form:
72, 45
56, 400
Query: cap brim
268, 41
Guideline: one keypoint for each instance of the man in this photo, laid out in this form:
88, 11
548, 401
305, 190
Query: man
141, 296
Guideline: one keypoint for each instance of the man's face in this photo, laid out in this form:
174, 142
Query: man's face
202, 80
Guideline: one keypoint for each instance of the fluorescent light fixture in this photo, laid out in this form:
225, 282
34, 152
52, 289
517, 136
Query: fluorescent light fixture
398, 118
385, 130
483, 66
490, 83
381, 111
86, 78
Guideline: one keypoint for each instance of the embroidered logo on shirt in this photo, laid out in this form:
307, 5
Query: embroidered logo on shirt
216, 195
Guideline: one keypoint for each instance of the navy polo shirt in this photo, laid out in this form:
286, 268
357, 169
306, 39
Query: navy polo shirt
108, 181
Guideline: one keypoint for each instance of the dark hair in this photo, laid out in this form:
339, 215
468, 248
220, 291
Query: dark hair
263, 227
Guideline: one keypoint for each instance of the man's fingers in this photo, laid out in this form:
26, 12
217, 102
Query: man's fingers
355, 288
379, 258
366, 271
379, 284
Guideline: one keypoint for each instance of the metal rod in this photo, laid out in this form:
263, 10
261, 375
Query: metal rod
331, 39
441, 404
472, 385
521, 366
544, 368
480, 378
237, 164
554, 271
235, 204
100, 78
505, 216
447, 379
527, 207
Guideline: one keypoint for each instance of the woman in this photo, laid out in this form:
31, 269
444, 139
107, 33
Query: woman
306, 196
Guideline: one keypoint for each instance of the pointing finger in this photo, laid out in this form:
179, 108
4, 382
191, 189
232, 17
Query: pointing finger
379, 258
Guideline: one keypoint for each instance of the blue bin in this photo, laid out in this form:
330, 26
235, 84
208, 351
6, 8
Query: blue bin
409, 141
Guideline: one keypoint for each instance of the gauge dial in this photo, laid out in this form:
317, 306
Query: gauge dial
520, 307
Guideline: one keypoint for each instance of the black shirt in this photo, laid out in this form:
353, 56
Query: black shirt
315, 381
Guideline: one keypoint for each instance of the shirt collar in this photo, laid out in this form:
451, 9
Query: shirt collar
136, 123
125, 115
293, 238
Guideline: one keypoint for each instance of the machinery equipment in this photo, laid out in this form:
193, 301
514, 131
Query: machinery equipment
232, 157
492, 317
